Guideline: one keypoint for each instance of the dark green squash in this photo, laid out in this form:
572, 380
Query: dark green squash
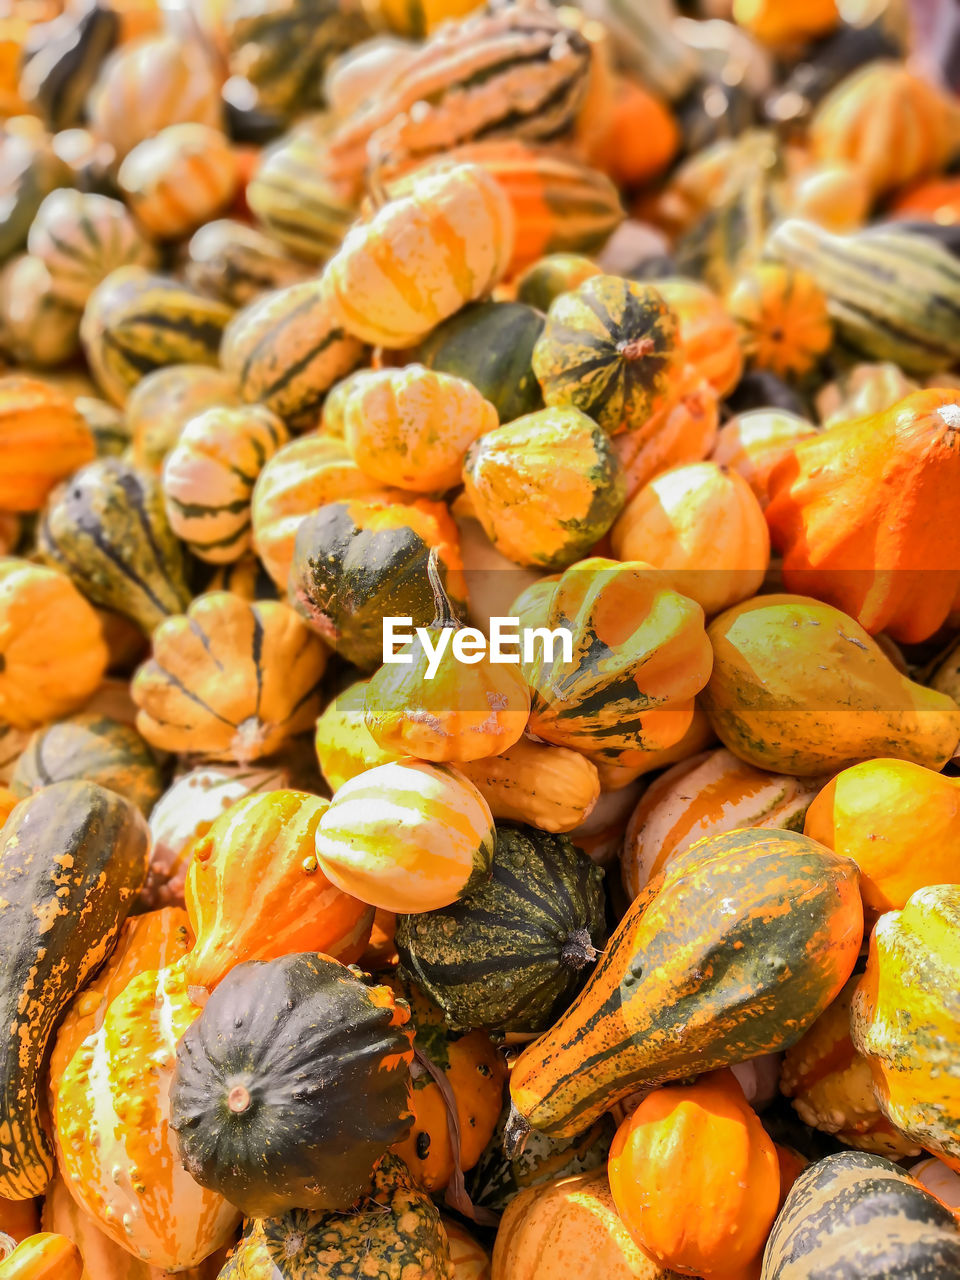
393, 1230
355, 563
291, 1084
72, 859
608, 349
108, 530
513, 954
94, 747
855, 1216
491, 345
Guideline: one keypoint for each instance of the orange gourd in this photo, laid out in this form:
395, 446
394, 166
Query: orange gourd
754, 442
683, 430
640, 138
43, 439
934, 200
179, 179
708, 335
865, 516
45, 1256
777, 22
254, 890
695, 1177
783, 318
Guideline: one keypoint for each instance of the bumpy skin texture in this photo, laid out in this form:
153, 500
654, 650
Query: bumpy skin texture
72, 859
855, 1216
392, 1232
511, 953
291, 1084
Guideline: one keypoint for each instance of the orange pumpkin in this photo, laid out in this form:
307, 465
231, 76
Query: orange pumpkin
708, 335
640, 138
45, 1256
863, 513
179, 179
783, 318
683, 430
43, 439
255, 892
695, 1177
754, 442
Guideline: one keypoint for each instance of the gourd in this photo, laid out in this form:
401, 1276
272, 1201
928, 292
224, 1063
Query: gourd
287, 349
74, 47
683, 430
776, 22
43, 440
753, 443
470, 1261
108, 531
939, 1179
640, 137
81, 237
94, 747
393, 1221
546, 487
245, 1099
800, 688
552, 275
302, 476
703, 528
865, 389
421, 257
470, 1099
32, 169
237, 263
412, 427
609, 348
446, 710
905, 1018
294, 198
891, 294
229, 680
52, 653
490, 344
406, 836
640, 654
43, 1257
178, 179
162, 403
514, 951
649, 45
705, 795
862, 511
37, 328
355, 563
569, 1222
706, 332
209, 475
696, 1145
645, 1016
783, 318
60, 923
830, 1085
345, 746
135, 322
254, 891
548, 787
116, 1149
111, 436
858, 1212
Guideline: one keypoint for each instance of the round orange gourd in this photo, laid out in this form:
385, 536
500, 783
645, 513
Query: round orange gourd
45, 1256
704, 528
641, 136
254, 890
707, 334
43, 439
179, 179
683, 430
470, 1261
695, 1177
754, 442
421, 258
783, 319
412, 427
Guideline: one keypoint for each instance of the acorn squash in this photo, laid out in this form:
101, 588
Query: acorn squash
235, 263
161, 404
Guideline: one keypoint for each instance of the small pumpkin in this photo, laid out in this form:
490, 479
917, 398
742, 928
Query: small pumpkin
706, 332
247, 1115
164, 401
421, 258
683, 430
43, 440
345, 746
406, 836
545, 487
703, 528
37, 328
783, 318
209, 475
702, 1146
45, 1256
237, 263
229, 680
609, 348
179, 178
254, 891
753, 443
548, 787
515, 949
52, 653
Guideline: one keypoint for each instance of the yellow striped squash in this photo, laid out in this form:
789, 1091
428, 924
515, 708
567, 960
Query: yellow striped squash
162, 403
209, 475
407, 836
238, 263
345, 746
37, 328
179, 179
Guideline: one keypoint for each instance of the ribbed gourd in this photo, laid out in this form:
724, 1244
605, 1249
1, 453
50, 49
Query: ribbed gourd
37, 327
236, 263
43, 440
163, 402
108, 531
178, 179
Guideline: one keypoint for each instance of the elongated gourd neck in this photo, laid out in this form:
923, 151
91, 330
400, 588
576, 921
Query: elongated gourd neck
444, 615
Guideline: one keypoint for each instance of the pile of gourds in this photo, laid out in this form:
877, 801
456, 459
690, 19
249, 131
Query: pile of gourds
640, 960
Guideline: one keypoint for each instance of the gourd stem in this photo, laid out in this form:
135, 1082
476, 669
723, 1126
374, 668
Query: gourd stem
444, 615
578, 950
238, 1099
515, 1133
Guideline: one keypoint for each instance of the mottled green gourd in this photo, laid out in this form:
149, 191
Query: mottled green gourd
513, 953
107, 529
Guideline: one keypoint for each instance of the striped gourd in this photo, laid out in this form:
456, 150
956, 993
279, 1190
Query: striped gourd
644, 38
515, 71
55, 84
43, 440
209, 475
37, 328
704, 796
81, 237
892, 295
31, 170
162, 403
293, 198
855, 1216
118, 1153
236, 263
179, 179
286, 351
135, 322
107, 530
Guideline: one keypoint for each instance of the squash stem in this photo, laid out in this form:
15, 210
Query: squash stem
444, 615
578, 950
515, 1133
